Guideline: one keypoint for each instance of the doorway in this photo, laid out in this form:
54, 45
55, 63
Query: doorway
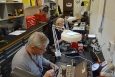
67, 7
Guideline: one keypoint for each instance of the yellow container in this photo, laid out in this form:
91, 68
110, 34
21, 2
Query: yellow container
29, 2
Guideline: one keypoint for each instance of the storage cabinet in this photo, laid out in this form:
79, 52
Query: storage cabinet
52, 7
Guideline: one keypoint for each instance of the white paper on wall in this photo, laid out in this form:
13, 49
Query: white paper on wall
69, 4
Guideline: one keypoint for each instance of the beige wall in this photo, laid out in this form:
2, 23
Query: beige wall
94, 16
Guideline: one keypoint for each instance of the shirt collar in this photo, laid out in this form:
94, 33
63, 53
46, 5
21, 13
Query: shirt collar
33, 56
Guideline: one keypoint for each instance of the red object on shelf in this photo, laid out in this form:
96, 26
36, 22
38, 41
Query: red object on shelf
31, 21
41, 17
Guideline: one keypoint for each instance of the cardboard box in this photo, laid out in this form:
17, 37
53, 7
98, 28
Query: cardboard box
29, 2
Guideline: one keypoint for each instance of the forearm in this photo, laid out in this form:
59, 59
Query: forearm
59, 41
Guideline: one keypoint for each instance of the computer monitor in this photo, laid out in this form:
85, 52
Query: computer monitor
18, 72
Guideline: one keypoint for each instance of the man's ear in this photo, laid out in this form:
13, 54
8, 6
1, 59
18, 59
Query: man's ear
33, 47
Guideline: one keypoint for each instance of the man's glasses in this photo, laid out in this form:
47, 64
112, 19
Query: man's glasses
41, 48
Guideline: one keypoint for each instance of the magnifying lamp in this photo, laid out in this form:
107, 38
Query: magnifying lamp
67, 35
71, 36
70, 19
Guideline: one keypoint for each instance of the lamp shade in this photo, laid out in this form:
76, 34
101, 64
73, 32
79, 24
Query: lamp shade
70, 19
71, 36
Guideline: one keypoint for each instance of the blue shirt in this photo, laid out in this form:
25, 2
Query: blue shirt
23, 60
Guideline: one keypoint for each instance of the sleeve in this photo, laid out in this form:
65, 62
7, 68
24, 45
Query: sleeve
45, 62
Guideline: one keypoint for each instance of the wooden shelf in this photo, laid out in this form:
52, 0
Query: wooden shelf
3, 19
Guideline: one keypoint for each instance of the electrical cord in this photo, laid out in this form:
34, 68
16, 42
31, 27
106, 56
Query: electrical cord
86, 59
78, 57
82, 56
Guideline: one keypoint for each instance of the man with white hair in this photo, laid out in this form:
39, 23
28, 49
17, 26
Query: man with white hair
30, 58
60, 23
59, 29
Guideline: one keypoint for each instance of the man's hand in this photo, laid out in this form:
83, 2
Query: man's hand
53, 66
59, 41
49, 73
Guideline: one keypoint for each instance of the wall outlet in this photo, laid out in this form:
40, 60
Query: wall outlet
100, 29
111, 46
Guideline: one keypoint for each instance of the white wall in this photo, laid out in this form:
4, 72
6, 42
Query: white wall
94, 16
108, 26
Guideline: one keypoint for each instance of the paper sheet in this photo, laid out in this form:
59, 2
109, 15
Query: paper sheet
17, 32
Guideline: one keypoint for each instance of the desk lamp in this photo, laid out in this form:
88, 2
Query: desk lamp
70, 36
57, 53
66, 23
67, 35
71, 19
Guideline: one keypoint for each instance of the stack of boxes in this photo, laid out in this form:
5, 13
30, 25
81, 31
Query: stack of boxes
31, 21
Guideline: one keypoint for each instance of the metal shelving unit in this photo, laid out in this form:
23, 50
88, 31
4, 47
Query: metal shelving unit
10, 8
52, 6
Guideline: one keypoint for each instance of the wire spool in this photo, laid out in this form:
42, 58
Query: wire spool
96, 68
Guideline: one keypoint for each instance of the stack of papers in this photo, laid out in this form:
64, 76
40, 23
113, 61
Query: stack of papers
17, 32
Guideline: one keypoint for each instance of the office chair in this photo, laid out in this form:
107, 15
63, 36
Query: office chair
6, 68
18, 72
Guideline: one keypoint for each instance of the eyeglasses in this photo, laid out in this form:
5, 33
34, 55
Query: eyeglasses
41, 48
